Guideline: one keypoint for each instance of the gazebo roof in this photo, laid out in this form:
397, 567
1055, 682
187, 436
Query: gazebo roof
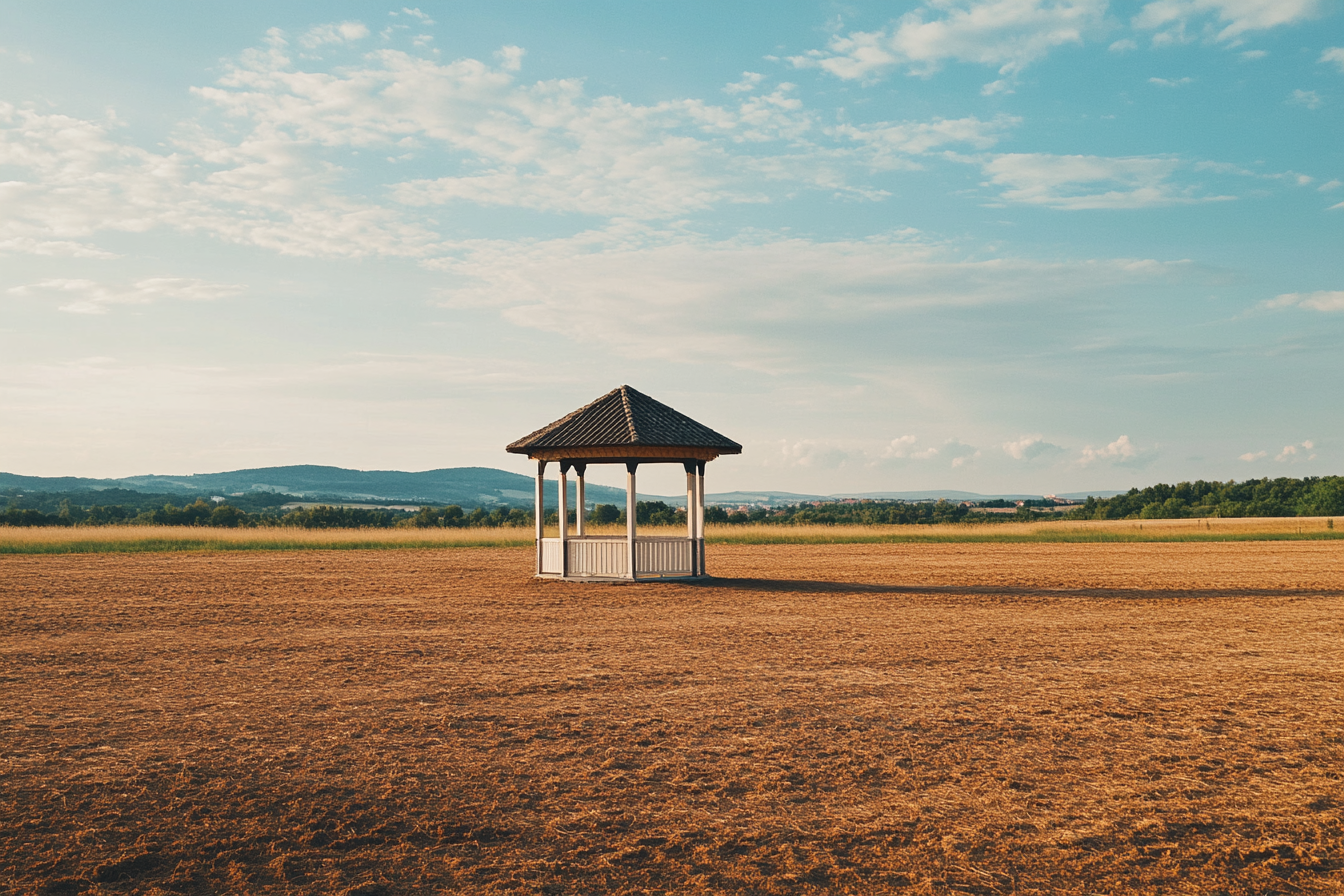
625, 423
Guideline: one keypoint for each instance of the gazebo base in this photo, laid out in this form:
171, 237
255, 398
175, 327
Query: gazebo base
609, 557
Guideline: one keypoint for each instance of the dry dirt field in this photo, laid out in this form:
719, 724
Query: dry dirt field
1045, 718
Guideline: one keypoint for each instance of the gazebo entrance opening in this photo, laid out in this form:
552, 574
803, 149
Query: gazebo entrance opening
626, 427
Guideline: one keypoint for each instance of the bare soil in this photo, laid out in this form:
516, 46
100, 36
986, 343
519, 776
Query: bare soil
1096, 718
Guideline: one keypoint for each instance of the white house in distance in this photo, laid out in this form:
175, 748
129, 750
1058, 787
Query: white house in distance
627, 427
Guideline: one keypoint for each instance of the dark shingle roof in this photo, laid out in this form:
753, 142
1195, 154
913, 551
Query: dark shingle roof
625, 416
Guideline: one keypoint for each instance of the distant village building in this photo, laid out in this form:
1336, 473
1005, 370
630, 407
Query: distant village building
627, 427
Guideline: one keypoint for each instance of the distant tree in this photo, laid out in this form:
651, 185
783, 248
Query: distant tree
228, 517
605, 514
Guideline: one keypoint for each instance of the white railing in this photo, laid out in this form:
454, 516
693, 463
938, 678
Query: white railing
608, 556
550, 557
599, 556
662, 556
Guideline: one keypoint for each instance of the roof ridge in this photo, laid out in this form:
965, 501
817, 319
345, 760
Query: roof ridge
629, 414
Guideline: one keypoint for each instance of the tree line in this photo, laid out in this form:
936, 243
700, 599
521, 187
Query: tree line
1312, 496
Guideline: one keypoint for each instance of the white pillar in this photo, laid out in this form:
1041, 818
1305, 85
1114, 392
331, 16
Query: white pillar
630, 517
541, 509
700, 517
579, 501
690, 516
564, 517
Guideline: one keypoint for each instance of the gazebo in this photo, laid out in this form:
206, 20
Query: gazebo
624, 426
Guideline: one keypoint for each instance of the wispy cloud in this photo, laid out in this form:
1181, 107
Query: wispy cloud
334, 33
1322, 300
1166, 82
90, 297
892, 144
1219, 21
750, 81
754, 302
415, 13
1334, 55
1309, 98
1090, 182
1252, 456
1008, 35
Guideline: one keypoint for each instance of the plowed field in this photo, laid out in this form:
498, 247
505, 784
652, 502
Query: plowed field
1094, 718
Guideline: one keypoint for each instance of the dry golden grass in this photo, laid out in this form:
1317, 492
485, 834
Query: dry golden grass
866, 719
1045, 531
119, 539
93, 539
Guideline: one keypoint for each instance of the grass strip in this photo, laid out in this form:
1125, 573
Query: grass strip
169, 539
341, 540
769, 537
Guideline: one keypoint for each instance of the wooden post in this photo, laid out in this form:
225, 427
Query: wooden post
700, 517
541, 509
564, 517
690, 515
630, 468
579, 502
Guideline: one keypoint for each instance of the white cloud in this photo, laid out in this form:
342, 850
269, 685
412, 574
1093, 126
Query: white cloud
1124, 45
900, 447
1292, 453
890, 144
1030, 448
1089, 182
904, 448
72, 180
1008, 35
1221, 21
1330, 185
1122, 452
1164, 82
510, 58
1251, 456
1309, 98
269, 179
546, 146
831, 454
1335, 55
959, 453
1322, 300
334, 33
812, 453
1253, 55
750, 81
90, 297
415, 13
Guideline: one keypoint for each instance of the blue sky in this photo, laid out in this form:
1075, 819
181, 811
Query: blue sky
992, 245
